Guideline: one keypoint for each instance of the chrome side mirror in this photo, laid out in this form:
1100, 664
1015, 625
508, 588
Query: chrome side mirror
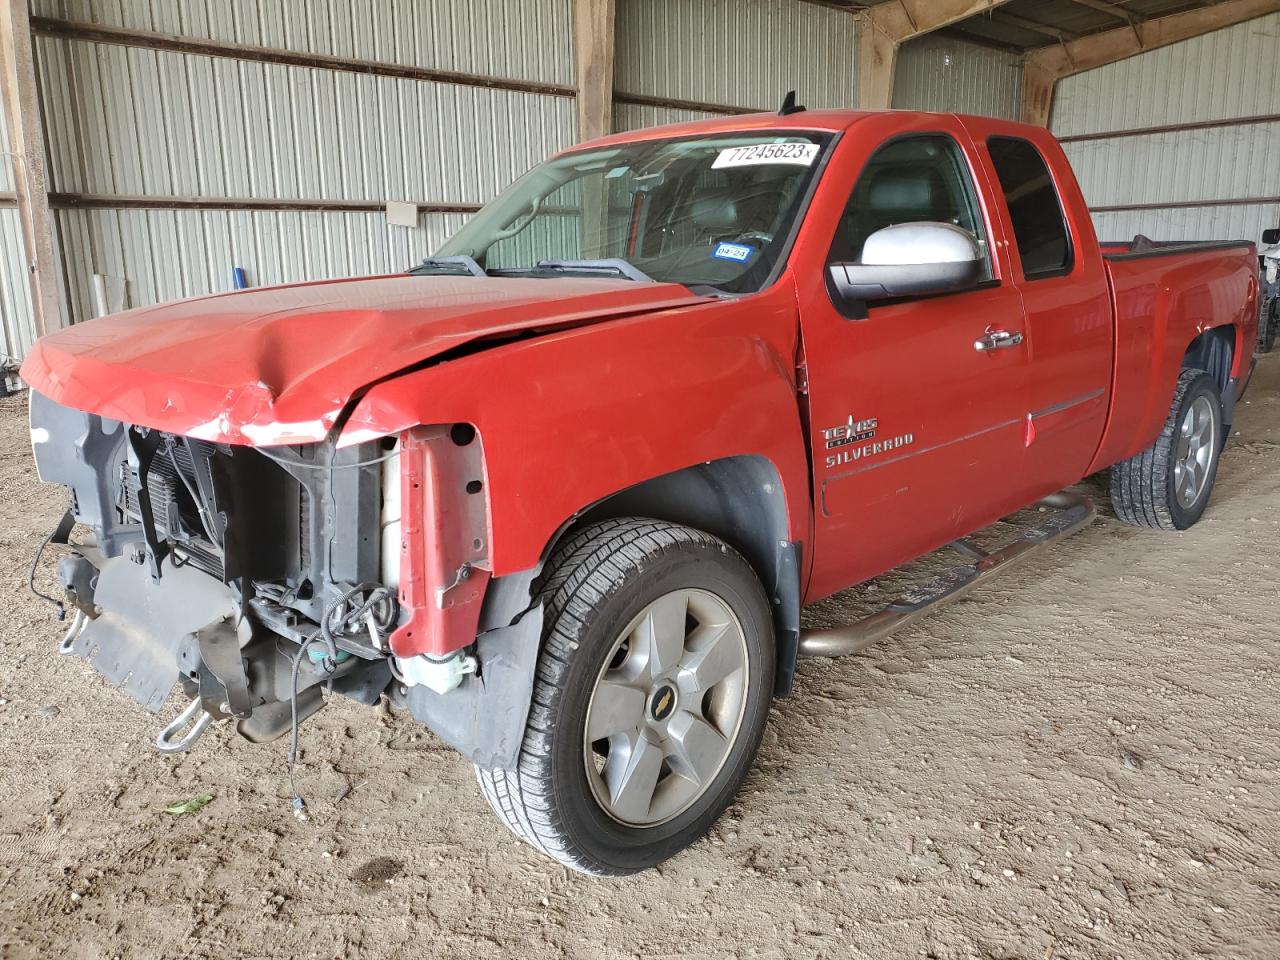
908, 260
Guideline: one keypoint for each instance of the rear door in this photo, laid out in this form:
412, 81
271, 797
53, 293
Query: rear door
916, 434
1058, 271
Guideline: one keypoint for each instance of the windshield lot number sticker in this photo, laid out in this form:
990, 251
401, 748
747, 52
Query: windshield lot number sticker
756, 154
737, 252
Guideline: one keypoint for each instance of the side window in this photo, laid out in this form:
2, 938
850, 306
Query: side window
1034, 208
907, 181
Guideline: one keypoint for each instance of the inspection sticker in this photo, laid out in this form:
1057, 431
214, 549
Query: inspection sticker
755, 154
737, 252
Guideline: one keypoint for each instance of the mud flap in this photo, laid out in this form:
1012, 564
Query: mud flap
146, 626
484, 719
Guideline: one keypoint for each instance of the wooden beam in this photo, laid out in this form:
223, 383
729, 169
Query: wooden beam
172, 43
886, 26
593, 47
877, 60
1037, 93
1099, 49
1046, 66
26, 143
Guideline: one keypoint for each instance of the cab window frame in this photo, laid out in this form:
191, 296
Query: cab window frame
1069, 259
982, 216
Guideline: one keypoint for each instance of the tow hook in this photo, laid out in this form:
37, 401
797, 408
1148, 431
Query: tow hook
195, 719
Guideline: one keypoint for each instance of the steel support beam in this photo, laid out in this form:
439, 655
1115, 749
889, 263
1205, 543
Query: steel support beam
21, 98
1046, 66
886, 26
593, 47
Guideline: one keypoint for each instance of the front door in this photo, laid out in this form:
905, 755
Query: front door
917, 427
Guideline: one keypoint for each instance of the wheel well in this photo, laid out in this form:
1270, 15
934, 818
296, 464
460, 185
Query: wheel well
741, 501
1213, 351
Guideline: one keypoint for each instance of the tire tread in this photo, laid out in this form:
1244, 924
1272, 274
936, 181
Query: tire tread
1140, 489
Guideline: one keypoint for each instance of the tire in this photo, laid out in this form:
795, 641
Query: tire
1267, 324
1148, 490
605, 591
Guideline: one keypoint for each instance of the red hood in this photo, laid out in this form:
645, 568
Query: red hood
278, 364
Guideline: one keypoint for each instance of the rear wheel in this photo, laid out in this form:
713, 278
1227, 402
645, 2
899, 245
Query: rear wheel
1167, 486
650, 698
1268, 321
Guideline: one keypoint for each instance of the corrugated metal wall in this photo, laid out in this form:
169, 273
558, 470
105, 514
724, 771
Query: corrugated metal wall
520, 39
134, 121
16, 318
170, 254
951, 76
1227, 74
740, 53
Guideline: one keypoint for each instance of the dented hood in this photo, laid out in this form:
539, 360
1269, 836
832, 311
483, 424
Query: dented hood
278, 364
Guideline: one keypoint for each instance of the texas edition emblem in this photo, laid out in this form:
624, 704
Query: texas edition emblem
850, 432
846, 437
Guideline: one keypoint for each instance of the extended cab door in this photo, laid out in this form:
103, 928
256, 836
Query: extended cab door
915, 428
1057, 269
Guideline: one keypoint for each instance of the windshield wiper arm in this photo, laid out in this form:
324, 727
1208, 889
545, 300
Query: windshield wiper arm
613, 265
458, 265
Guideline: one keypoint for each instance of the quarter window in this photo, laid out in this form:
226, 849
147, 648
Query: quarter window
1038, 225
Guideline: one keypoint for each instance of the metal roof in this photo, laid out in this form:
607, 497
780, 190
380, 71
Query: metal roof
1022, 25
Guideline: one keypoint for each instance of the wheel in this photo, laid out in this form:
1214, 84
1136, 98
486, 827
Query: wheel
650, 698
1167, 486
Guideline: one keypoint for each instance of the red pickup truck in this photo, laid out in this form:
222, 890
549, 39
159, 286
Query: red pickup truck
563, 489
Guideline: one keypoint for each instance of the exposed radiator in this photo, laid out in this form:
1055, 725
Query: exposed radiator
166, 489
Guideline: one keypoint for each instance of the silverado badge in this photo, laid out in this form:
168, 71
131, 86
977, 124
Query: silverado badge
847, 439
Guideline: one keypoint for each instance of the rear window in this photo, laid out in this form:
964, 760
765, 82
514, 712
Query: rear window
1038, 225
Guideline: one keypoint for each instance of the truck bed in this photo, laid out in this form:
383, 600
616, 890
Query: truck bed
1163, 295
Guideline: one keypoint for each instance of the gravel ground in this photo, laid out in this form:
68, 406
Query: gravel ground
1081, 762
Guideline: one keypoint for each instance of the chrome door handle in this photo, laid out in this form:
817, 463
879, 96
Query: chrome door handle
996, 340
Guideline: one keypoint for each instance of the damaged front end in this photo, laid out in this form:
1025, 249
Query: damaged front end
257, 578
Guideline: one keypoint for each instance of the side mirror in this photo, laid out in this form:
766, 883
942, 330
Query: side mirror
1271, 236
909, 260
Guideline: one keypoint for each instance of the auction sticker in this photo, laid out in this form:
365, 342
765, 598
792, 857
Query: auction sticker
757, 154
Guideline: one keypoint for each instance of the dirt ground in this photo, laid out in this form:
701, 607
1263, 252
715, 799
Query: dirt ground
1081, 762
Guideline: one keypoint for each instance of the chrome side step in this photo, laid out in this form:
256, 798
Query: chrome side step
1072, 512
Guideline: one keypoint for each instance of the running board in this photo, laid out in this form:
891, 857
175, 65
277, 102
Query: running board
1072, 512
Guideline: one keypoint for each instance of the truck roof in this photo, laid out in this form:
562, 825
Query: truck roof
829, 121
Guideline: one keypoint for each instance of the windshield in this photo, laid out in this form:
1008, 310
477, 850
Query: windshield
707, 211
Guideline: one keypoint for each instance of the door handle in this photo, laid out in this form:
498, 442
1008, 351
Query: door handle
996, 340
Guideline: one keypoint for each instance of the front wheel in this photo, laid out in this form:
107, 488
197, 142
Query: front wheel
1167, 486
650, 698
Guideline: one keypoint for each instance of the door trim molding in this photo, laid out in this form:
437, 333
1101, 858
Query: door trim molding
918, 452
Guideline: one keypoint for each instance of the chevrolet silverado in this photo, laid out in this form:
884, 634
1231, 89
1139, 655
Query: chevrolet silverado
562, 490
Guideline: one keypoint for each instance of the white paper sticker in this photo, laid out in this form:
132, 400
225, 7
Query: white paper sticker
800, 154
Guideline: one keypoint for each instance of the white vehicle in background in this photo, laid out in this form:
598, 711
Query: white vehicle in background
1269, 300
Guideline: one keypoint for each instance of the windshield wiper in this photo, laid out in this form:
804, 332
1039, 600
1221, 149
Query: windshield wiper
615, 266
459, 265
